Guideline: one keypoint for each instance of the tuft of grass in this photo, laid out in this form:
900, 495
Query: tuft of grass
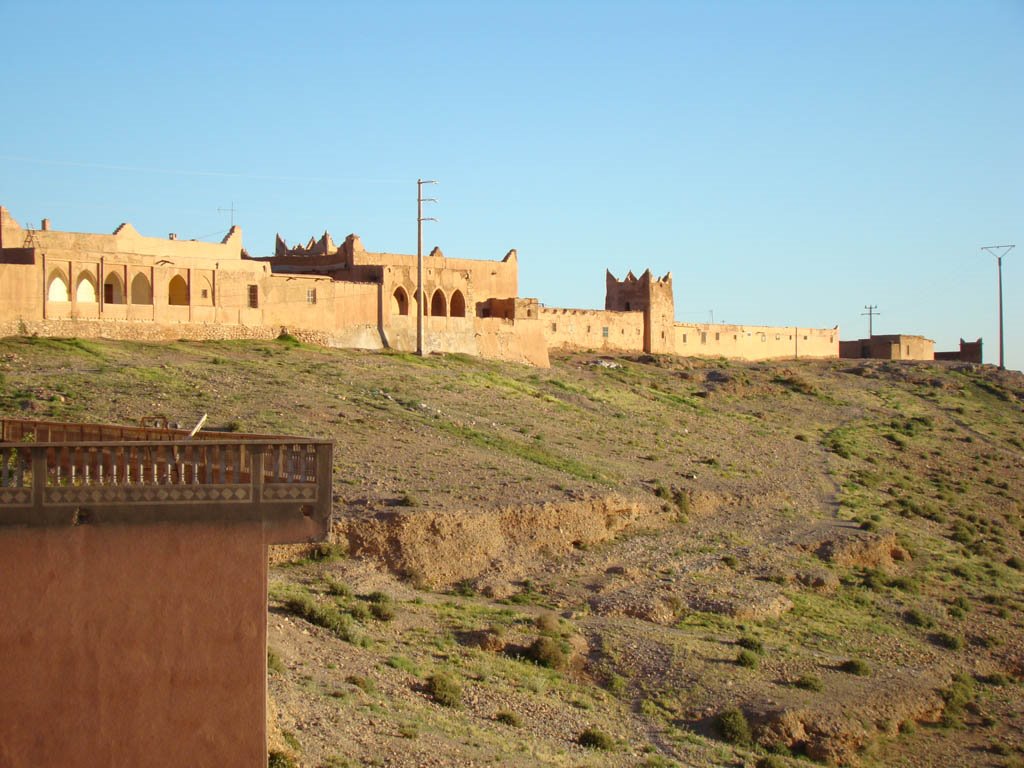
593, 738
336, 587
326, 552
507, 717
809, 683
733, 727
957, 697
274, 664
748, 659
751, 644
278, 759
548, 623
947, 640
546, 652
323, 615
857, 667
403, 664
444, 690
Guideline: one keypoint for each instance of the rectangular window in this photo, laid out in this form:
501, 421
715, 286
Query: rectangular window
254, 297
684, 338
703, 338
764, 337
311, 295
777, 336
554, 327
718, 336
604, 331
204, 293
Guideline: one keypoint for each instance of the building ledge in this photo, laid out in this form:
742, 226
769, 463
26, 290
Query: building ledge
59, 474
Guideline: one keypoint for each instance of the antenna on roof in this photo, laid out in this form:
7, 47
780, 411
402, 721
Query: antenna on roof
230, 210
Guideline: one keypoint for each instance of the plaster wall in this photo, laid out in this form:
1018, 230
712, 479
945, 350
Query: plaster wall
133, 645
754, 342
889, 347
593, 329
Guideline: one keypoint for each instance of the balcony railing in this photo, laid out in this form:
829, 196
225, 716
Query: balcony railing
72, 473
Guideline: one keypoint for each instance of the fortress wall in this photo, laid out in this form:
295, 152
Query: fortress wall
754, 342
593, 329
519, 341
486, 279
20, 295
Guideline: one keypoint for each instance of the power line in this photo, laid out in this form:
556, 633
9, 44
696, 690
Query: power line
871, 314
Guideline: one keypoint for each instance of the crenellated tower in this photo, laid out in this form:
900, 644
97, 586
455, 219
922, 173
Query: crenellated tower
650, 295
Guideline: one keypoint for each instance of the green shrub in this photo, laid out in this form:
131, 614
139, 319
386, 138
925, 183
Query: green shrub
336, 587
959, 694
403, 664
323, 615
358, 611
733, 727
918, 618
278, 759
548, 623
274, 663
547, 652
809, 683
509, 718
1016, 563
856, 667
326, 551
382, 611
948, 640
751, 643
771, 761
748, 659
365, 684
444, 690
592, 738
730, 560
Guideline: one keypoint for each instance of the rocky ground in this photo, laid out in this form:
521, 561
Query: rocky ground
618, 561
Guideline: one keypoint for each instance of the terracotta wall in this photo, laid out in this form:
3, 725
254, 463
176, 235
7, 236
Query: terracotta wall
593, 329
754, 342
133, 645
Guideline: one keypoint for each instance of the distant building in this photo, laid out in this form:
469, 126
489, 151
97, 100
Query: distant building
969, 352
127, 286
895, 346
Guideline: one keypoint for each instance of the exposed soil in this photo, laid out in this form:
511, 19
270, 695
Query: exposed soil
825, 546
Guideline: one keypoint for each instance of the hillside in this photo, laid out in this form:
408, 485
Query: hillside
710, 562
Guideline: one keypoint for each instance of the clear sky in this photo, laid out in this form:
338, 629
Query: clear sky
788, 162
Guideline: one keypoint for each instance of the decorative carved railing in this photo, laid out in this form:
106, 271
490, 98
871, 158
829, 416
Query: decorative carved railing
88, 476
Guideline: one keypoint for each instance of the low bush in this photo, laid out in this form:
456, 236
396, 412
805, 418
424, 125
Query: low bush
751, 643
509, 718
444, 690
856, 667
748, 659
733, 727
278, 759
547, 652
593, 738
948, 640
809, 683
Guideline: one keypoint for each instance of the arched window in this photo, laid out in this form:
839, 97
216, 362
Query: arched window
85, 291
458, 305
142, 291
113, 289
437, 304
400, 302
57, 288
177, 292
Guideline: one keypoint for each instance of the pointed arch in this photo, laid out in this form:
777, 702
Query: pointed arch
57, 287
438, 305
85, 289
113, 289
177, 292
400, 302
457, 305
142, 291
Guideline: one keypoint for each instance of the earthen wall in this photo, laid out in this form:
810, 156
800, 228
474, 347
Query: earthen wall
755, 342
593, 329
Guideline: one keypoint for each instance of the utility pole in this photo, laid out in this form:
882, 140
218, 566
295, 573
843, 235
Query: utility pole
1002, 251
870, 315
421, 300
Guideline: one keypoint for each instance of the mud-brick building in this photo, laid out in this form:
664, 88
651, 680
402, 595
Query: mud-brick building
128, 286
134, 591
896, 346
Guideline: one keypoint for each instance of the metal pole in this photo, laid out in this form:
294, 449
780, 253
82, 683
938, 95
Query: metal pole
419, 267
421, 299
999, 262
1003, 250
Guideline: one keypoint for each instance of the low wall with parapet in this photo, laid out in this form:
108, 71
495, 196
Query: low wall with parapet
593, 329
754, 342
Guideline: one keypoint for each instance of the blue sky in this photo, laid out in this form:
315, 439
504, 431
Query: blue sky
787, 162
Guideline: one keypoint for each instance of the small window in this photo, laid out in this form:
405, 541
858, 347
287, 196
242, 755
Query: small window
663, 334
627, 306
703, 338
554, 327
311, 295
254, 297
588, 329
735, 337
805, 338
529, 313
764, 337
684, 338
604, 331
778, 336
908, 349
718, 337
204, 293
